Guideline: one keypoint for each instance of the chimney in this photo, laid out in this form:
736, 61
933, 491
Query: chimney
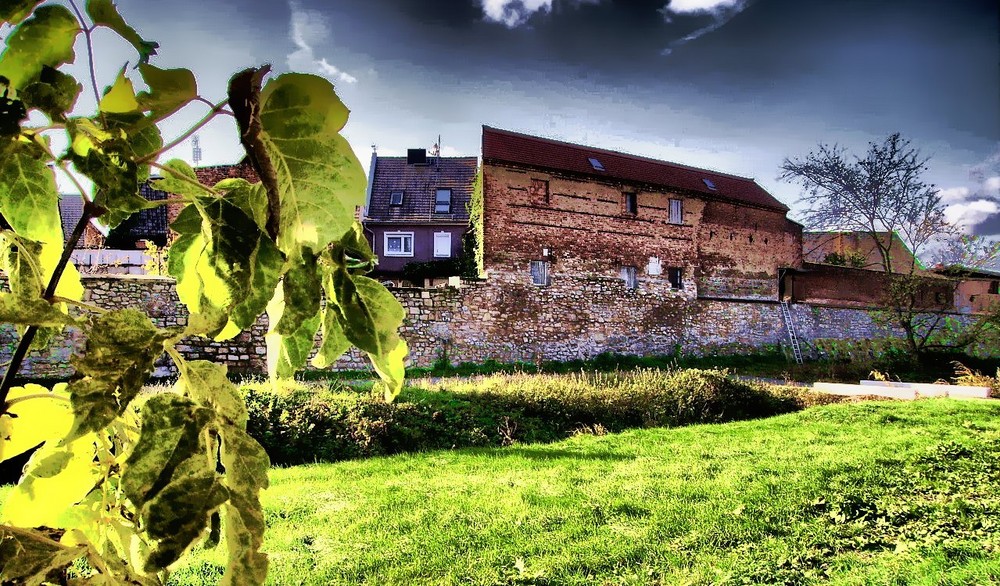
416, 156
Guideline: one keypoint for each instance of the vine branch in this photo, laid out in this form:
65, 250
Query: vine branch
90, 210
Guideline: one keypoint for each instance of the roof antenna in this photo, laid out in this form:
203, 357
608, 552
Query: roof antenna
437, 153
374, 149
195, 150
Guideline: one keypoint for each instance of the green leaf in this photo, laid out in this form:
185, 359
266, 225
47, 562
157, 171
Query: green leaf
120, 97
29, 202
301, 292
54, 93
249, 197
334, 343
391, 368
371, 316
170, 476
286, 353
170, 183
35, 415
14, 11
45, 39
207, 384
32, 312
169, 90
224, 263
121, 348
30, 556
56, 478
246, 466
320, 179
104, 12
358, 255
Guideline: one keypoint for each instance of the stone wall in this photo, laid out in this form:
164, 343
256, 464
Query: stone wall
505, 318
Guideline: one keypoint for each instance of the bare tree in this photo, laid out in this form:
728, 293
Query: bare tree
882, 194
968, 251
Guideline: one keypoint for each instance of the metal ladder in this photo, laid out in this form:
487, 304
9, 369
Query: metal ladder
787, 315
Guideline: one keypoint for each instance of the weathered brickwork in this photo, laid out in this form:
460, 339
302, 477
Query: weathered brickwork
505, 318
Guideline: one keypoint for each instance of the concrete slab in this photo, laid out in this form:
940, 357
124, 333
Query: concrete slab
933, 390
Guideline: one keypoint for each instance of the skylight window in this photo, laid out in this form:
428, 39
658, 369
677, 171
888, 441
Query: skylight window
709, 184
596, 164
396, 198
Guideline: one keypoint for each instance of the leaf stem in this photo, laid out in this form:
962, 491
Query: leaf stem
24, 344
13, 402
90, 53
216, 109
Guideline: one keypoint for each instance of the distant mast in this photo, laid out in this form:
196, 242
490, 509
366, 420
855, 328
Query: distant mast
195, 150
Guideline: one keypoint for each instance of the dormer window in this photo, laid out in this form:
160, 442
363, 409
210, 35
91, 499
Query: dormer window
396, 198
442, 201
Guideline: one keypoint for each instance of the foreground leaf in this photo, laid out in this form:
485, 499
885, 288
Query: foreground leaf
45, 39
320, 179
246, 466
207, 384
170, 476
223, 263
56, 478
29, 201
287, 353
54, 93
122, 346
34, 415
14, 11
104, 12
169, 90
30, 556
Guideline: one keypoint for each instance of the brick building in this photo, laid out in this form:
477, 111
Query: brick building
554, 210
860, 250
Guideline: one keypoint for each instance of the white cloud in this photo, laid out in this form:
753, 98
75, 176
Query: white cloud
308, 27
516, 12
992, 186
722, 11
968, 214
954, 194
688, 6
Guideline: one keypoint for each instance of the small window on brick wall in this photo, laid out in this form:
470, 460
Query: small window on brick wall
539, 191
629, 277
994, 287
676, 212
540, 273
631, 203
676, 277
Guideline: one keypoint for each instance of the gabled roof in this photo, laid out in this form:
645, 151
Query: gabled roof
419, 184
504, 146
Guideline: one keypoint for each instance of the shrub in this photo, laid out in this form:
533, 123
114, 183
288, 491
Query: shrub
310, 423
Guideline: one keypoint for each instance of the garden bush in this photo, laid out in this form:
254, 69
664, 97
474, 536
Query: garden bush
308, 423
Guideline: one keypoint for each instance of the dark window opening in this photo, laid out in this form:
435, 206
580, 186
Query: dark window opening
631, 203
442, 201
675, 275
994, 287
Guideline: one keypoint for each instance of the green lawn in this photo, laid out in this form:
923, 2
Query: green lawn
871, 493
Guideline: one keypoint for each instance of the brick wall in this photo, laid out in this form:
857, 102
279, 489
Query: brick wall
505, 318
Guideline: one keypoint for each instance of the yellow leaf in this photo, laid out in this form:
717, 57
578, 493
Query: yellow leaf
36, 414
120, 99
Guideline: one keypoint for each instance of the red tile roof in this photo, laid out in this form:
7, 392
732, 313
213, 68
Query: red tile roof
504, 146
419, 184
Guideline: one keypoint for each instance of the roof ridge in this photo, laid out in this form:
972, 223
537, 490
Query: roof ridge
617, 153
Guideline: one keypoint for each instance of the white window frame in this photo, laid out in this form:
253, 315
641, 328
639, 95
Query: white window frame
437, 200
678, 216
545, 277
392, 197
442, 236
404, 235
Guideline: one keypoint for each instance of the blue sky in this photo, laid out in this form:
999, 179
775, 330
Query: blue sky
733, 85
